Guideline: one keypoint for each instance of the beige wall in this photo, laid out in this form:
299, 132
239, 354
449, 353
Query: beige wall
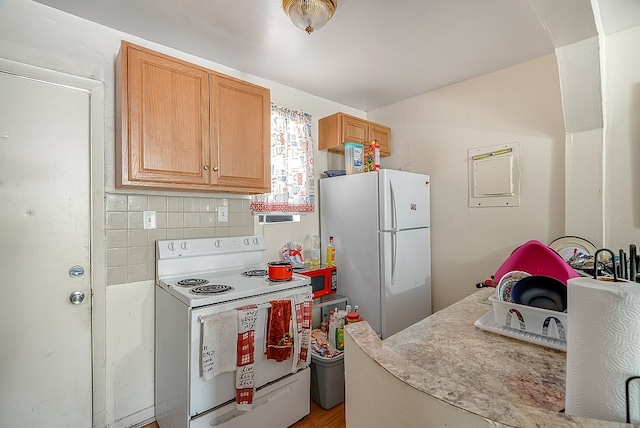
431, 134
622, 136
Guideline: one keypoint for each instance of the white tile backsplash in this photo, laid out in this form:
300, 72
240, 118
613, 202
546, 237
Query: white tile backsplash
191, 205
117, 220
137, 238
131, 248
157, 203
191, 219
136, 220
138, 203
137, 255
116, 202
174, 204
207, 205
175, 220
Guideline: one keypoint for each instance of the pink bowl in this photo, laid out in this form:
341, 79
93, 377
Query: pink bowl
536, 258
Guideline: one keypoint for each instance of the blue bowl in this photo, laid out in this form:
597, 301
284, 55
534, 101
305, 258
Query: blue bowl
540, 291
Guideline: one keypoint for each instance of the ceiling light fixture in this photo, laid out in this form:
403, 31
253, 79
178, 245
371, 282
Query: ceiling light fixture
309, 15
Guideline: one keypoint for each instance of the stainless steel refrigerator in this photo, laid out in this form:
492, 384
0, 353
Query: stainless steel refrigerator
380, 223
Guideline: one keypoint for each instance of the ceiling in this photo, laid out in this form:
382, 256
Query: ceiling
372, 53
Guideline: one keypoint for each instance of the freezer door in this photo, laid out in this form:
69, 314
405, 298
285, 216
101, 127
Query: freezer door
404, 200
406, 273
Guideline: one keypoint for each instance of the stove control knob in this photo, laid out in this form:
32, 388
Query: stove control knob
218, 243
247, 242
171, 246
256, 241
183, 246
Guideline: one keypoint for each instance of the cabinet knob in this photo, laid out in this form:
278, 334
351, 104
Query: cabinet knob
215, 168
206, 167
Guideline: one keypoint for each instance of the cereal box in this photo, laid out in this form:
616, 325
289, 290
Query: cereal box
371, 156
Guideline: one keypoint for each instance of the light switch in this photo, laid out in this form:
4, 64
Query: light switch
223, 214
149, 219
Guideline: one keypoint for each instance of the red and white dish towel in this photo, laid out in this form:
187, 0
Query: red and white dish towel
302, 313
279, 331
245, 377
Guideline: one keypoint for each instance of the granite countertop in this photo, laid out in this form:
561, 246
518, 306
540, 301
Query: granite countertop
505, 380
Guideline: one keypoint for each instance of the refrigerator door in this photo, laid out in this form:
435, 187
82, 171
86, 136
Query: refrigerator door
404, 200
349, 213
406, 278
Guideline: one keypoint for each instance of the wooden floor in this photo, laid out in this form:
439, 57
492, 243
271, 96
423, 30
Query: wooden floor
321, 418
318, 418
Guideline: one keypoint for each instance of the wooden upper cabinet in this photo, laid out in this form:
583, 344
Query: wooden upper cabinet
240, 135
183, 127
354, 129
339, 128
381, 133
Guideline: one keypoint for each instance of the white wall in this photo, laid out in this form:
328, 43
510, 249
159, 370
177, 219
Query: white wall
431, 134
38, 35
622, 139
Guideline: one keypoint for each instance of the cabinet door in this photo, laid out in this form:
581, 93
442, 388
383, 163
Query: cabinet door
240, 136
383, 135
165, 128
354, 129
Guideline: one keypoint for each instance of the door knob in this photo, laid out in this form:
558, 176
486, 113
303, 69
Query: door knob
76, 297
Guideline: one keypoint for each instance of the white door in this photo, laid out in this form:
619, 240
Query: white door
45, 355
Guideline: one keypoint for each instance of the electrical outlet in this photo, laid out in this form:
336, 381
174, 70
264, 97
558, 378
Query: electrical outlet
149, 219
223, 214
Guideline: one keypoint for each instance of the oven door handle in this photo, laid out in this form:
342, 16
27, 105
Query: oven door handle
202, 318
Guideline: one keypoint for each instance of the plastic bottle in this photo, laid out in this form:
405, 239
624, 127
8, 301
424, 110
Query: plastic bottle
314, 254
331, 332
340, 321
331, 253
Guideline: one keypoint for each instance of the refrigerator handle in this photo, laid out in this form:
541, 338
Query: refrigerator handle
394, 216
394, 255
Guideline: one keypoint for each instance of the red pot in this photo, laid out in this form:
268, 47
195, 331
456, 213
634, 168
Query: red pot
280, 271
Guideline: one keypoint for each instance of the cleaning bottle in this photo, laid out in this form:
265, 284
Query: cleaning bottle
314, 254
331, 253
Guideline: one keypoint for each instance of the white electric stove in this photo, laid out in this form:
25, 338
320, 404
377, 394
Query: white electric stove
200, 277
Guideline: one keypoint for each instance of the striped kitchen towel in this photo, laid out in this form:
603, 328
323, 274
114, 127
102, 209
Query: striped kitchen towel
302, 313
245, 379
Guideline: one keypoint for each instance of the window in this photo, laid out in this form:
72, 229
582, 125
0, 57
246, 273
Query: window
292, 182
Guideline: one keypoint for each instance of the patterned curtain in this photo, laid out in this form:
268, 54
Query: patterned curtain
292, 183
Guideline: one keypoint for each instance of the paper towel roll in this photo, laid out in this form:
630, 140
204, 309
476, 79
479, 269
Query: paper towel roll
603, 348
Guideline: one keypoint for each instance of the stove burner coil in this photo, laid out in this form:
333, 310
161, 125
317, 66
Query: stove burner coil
255, 273
190, 282
211, 289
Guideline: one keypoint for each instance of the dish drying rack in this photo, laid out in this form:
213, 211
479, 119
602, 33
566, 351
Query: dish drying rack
527, 323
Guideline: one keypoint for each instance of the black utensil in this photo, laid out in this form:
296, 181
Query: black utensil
633, 266
623, 265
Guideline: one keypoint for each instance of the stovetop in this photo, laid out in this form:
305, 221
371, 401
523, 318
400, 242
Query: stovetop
209, 271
